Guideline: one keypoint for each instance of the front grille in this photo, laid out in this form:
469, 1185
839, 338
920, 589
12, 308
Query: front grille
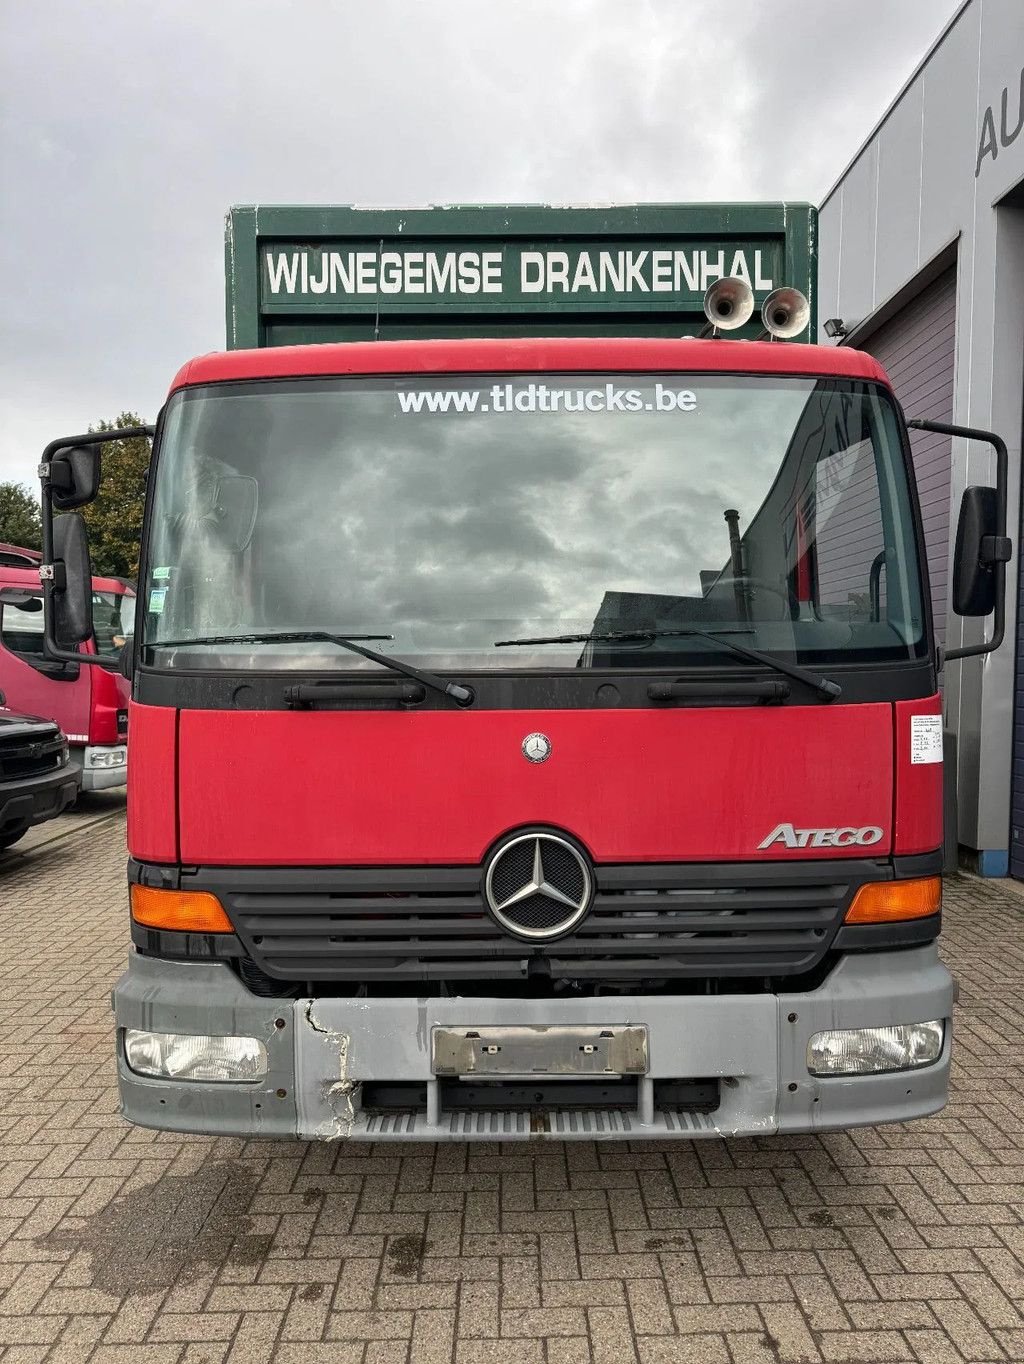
647, 921
30, 757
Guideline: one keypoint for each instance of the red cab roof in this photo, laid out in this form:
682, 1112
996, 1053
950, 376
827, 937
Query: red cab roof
532, 354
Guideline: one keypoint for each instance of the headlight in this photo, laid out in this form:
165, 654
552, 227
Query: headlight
870, 1051
182, 1056
106, 757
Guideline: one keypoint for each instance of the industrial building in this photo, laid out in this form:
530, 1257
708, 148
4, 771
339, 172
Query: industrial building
921, 263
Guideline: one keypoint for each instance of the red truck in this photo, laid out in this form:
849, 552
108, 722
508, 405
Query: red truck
532, 737
89, 704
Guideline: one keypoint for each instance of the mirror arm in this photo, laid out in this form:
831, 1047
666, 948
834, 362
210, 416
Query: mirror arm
51, 575
998, 547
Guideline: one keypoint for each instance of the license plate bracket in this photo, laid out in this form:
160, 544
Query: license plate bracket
617, 1049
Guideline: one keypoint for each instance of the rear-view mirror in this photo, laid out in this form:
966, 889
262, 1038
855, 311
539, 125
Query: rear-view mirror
974, 577
72, 589
236, 503
74, 476
983, 548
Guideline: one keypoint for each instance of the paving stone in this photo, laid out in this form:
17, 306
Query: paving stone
124, 1246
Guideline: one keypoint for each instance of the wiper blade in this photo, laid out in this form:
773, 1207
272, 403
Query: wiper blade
824, 686
464, 696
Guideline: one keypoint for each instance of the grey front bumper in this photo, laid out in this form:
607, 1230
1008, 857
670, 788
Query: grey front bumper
320, 1051
101, 778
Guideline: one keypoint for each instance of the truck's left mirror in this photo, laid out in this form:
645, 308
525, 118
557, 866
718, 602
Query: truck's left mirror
74, 476
72, 598
974, 563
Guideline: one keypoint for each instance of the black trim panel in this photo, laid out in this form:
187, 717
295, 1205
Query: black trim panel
918, 864
575, 689
158, 942
882, 937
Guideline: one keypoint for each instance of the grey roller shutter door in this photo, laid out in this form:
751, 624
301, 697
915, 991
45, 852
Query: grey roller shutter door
917, 349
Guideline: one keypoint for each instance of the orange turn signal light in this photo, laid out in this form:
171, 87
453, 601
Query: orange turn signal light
180, 911
885, 902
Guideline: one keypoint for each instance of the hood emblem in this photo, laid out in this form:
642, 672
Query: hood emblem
537, 748
538, 886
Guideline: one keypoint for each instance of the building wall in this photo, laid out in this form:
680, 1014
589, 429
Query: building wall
926, 190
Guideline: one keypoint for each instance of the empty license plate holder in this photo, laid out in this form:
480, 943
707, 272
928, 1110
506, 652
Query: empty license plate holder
619, 1049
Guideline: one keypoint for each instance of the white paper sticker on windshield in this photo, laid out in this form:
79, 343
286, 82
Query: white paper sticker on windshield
159, 573
156, 600
926, 738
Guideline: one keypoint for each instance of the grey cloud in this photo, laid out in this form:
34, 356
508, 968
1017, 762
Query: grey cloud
128, 130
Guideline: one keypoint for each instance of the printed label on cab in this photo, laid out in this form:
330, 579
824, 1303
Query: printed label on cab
926, 738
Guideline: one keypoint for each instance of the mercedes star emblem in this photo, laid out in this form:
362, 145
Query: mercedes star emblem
537, 748
538, 885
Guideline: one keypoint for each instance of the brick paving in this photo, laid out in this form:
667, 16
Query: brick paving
121, 1246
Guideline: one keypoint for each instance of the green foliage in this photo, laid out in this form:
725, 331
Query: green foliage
115, 518
19, 516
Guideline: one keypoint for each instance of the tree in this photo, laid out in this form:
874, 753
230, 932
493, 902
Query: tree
19, 516
115, 518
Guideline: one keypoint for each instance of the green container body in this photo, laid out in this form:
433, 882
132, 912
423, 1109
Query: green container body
307, 274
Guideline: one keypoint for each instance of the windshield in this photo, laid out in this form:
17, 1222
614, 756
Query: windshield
451, 514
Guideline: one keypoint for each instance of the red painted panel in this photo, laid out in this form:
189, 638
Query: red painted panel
110, 692
315, 788
530, 354
918, 785
152, 759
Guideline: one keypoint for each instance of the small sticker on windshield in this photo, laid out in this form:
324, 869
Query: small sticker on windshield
926, 738
156, 599
159, 573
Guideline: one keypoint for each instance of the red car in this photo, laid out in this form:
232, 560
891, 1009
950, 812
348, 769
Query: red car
89, 704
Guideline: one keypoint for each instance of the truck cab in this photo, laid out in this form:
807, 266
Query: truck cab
533, 738
89, 704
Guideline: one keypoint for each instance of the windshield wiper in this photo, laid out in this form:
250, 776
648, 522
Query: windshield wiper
824, 686
463, 695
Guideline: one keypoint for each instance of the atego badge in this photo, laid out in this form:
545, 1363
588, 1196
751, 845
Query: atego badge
789, 837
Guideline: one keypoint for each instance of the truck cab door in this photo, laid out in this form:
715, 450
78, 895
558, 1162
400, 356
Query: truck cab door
32, 683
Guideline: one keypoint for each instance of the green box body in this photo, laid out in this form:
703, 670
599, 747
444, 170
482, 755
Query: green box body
308, 274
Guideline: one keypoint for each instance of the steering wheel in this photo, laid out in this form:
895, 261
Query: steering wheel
744, 581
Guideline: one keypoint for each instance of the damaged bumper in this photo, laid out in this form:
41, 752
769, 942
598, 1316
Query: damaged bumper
324, 1053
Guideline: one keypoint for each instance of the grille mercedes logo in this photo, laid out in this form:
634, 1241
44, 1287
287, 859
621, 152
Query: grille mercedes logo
538, 886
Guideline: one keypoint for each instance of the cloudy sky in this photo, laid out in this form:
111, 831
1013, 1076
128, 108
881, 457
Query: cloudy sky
127, 129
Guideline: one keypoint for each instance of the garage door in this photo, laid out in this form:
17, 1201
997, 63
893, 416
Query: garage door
916, 348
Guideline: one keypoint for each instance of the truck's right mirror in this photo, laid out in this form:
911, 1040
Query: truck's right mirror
75, 476
974, 578
72, 600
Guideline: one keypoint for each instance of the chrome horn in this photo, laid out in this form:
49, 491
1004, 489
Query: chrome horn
728, 303
785, 314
